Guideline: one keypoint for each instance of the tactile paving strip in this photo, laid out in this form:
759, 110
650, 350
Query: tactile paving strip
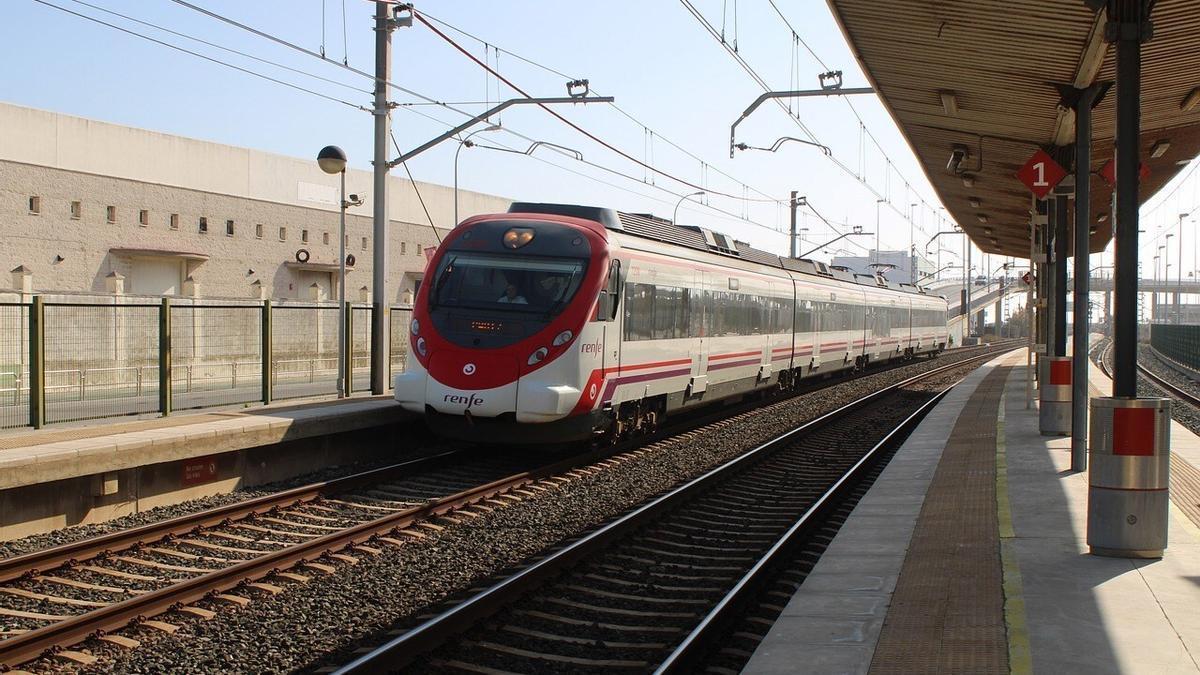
1185, 487
947, 613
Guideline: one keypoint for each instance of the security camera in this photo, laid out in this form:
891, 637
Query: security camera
957, 155
354, 197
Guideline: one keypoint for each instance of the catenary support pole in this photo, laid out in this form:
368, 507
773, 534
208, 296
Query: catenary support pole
1083, 221
792, 238
380, 296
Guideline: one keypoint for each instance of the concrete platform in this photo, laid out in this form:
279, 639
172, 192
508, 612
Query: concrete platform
57, 477
1063, 610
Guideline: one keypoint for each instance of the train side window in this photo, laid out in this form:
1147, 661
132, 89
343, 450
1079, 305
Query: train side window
610, 296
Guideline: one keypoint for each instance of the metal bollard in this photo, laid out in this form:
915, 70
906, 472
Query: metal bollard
1128, 476
1055, 396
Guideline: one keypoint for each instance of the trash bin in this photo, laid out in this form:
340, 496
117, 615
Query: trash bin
1055, 396
1128, 476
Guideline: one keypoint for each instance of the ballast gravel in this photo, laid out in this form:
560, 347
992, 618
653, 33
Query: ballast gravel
321, 621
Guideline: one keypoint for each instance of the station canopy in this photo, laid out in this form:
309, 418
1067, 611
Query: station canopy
986, 77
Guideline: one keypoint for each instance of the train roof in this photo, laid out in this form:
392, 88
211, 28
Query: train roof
695, 237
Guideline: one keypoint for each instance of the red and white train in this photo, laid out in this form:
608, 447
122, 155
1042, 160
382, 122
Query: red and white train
555, 323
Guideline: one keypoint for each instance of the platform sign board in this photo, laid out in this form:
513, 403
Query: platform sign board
1041, 173
1109, 172
1027, 278
198, 471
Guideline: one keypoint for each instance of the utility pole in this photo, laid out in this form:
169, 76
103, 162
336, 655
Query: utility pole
795, 202
380, 297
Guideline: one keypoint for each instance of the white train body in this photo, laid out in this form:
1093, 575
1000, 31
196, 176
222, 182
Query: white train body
653, 318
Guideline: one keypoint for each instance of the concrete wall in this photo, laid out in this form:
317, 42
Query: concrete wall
62, 159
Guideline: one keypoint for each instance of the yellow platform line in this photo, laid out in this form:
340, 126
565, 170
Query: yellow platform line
1020, 659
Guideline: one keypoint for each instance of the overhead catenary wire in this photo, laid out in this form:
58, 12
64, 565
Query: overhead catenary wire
417, 190
430, 101
749, 69
422, 97
214, 45
566, 121
705, 165
200, 56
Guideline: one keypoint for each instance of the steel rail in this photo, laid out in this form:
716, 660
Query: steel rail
435, 631
31, 563
27, 646
1155, 379
1170, 388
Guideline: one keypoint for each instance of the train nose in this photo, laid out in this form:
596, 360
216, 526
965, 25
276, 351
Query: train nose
462, 381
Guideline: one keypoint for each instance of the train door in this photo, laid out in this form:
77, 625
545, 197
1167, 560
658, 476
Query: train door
613, 324
699, 322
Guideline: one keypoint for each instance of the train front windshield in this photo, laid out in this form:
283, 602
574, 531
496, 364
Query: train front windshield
510, 283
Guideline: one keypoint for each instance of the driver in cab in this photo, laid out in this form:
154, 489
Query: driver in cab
512, 297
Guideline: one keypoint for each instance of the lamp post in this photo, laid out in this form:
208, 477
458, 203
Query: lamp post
912, 249
1179, 271
332, 159
675, 214
466, 142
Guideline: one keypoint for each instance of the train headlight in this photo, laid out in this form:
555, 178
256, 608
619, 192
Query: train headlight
538, 356
421, 346
563, 338
517, 237
414, 326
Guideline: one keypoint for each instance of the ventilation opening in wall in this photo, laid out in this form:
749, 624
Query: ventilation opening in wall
258, 231
304, 236
403, 247
111, 213
203, 225
229, 228
76, 210
325, 238
364, 243
283, 234
35, 205
143, 217
173, 221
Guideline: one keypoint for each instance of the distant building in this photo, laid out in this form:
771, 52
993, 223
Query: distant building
901, 265
94, 208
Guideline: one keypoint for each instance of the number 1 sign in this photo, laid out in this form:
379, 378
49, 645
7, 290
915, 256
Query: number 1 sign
1041, 173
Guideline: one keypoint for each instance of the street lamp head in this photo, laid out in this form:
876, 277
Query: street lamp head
332, 159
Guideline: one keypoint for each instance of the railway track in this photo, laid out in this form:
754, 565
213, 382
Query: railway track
52, 599
651, 589
1154, 378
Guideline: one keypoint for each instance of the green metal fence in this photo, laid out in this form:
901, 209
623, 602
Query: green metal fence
1180, 342
14, 364
74, 361
100, 360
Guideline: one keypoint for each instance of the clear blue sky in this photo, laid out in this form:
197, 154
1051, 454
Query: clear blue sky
654, 57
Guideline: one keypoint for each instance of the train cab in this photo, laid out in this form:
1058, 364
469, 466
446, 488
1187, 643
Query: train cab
505, 323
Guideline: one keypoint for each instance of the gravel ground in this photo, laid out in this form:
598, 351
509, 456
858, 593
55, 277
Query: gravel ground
299, 628
1181, 412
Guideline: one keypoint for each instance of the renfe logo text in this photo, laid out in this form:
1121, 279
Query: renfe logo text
461, 399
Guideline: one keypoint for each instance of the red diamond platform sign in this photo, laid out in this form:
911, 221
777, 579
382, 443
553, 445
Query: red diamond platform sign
1041, 173
1109, 172
1027, 278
